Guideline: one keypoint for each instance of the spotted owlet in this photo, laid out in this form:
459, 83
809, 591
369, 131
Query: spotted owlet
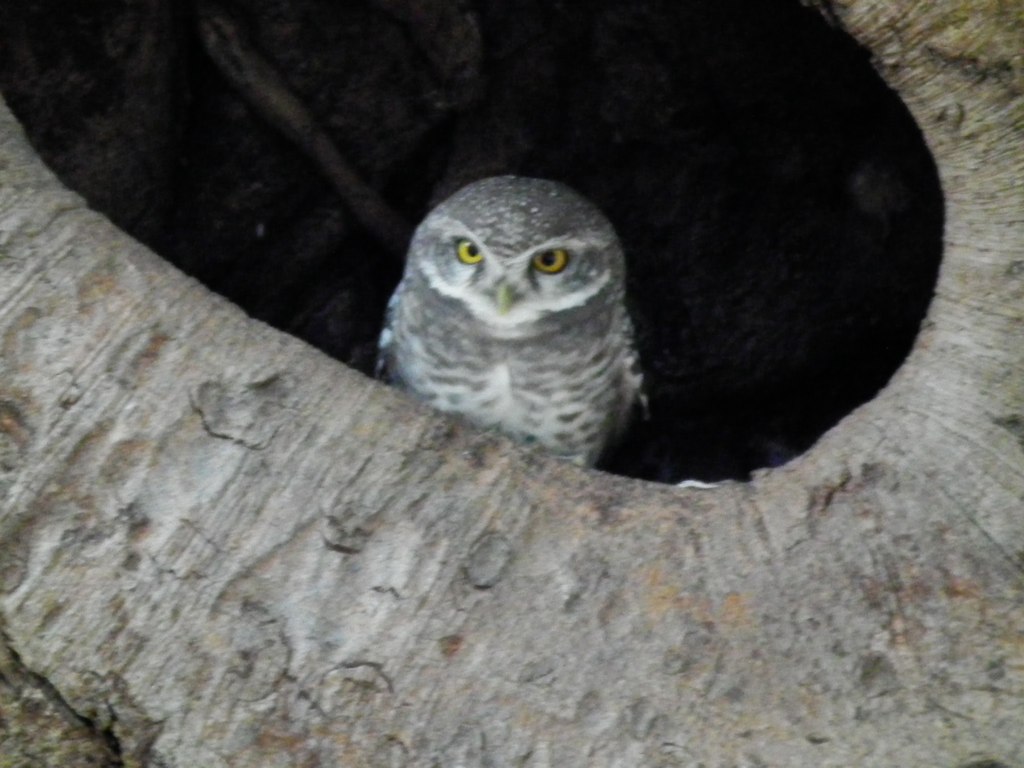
511, 313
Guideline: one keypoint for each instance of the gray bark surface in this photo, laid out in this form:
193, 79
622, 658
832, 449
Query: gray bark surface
220, 548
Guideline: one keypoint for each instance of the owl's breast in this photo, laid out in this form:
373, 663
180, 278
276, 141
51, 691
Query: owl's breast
561, 401
560, 387
493, 399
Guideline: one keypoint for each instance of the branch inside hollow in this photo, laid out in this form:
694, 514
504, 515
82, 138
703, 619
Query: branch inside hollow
263, 89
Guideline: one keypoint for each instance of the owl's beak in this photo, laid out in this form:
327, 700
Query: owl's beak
505, 297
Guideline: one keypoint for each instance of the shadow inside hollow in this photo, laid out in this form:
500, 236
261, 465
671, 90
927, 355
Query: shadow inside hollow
781, 214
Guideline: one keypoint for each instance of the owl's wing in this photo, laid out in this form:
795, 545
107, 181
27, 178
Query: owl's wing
632, 396
384, 369
633, 374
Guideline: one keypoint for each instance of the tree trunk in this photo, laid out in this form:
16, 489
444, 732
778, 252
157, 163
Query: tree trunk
220, 548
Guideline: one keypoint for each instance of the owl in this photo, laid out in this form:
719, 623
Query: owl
511, 313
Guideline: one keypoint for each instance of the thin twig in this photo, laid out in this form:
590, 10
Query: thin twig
265, 91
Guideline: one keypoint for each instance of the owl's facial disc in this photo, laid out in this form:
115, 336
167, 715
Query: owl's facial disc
512, 278
542, 262
511, 296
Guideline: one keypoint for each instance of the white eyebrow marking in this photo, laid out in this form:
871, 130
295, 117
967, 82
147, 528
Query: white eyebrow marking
571, 243
454, 227
449, 227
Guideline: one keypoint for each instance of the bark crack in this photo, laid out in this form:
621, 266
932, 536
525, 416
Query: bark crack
1014, 559
19, 676
376, 666
231, 435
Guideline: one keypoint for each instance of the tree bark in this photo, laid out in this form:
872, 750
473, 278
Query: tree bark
220, 548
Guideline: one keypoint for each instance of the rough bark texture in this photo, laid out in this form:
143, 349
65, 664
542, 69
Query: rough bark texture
220, 548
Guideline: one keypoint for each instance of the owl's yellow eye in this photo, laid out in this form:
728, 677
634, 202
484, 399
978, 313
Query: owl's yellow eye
551, 262
468, 252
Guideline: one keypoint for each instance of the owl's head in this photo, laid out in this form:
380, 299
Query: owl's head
516, 250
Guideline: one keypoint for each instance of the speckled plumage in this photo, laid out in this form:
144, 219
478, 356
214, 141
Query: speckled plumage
545, 358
